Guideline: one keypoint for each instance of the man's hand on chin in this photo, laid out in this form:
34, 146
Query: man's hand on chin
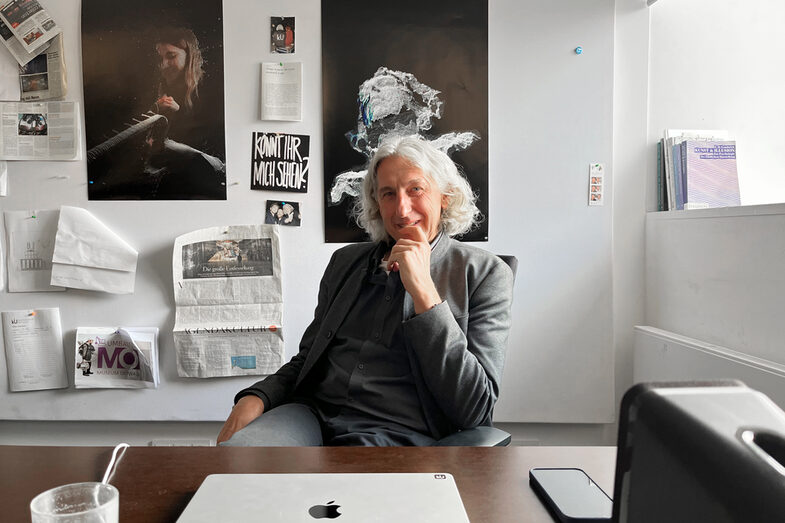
411, 256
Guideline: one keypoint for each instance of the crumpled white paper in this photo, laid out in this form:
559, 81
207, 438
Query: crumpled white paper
88, 255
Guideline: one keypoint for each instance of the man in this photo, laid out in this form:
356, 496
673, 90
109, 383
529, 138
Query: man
272, 214
408, 340
86, 351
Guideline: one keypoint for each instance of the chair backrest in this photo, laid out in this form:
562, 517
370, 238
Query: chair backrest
482, 436
510, 260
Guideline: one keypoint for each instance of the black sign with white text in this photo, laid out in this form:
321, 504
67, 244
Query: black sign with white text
279, 162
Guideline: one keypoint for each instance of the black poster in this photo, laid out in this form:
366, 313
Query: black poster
280, 162
154, 104
419, 67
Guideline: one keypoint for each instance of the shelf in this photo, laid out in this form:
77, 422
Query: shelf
720, 212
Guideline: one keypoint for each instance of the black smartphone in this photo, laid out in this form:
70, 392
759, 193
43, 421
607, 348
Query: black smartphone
570, 495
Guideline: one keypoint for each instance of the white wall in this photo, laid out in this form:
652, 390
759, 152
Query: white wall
550, 117
718, 275
718, 64
630, 100
551, 114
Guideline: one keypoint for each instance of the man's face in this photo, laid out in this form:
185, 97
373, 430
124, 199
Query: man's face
273, 209
408, 198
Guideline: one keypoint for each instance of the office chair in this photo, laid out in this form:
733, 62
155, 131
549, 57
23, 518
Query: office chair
483, 436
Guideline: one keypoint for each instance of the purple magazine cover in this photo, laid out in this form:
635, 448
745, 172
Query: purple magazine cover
712, 179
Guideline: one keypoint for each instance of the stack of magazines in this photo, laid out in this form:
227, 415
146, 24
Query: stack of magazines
696, 170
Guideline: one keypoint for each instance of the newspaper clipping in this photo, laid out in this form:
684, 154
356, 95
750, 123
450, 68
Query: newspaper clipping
15, 47
116, 358
227, 289
29, 23
39, 131
43, 77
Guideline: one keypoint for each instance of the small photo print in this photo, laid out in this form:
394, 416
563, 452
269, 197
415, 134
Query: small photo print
32, 124
35, 82
596, 180
596, 188
282, 34
32, 36
282, 213
596, 197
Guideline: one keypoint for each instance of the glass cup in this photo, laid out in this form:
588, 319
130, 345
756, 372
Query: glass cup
89, 502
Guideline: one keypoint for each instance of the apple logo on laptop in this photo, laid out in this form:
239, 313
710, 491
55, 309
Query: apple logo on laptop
329, 511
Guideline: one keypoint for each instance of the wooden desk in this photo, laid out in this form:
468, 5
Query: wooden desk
156, 483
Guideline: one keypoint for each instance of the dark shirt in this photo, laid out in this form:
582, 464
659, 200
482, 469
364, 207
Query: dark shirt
364, 391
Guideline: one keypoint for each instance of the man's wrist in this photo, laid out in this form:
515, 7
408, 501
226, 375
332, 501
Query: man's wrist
426, 303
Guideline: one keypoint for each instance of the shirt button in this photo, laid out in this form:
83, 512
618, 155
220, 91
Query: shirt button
387, 298
361, 366
376, 335
329, 334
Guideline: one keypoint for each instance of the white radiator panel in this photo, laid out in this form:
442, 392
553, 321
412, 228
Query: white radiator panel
665, 356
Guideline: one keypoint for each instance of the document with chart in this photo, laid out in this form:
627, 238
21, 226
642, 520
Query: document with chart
34, 349
31, 243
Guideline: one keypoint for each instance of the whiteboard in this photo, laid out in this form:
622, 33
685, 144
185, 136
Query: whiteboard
550, 116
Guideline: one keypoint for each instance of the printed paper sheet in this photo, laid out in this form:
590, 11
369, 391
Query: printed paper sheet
227, 289
34, 349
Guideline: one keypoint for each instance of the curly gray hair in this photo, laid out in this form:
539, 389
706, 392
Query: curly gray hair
461, 213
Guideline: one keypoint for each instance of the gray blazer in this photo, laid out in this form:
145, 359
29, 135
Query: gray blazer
456, 349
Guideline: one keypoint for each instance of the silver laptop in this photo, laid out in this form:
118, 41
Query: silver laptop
313, 498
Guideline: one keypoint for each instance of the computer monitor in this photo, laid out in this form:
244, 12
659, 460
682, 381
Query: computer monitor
699, 452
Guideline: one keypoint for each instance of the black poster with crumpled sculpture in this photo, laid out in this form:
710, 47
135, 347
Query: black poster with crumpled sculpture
402, 68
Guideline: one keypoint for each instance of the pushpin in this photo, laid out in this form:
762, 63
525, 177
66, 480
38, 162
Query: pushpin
32, 313
578, 50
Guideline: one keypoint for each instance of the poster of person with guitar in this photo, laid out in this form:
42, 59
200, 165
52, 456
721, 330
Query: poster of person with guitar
154, 104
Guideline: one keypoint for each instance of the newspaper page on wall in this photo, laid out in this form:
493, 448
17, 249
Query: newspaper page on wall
29, 22
16, 49
43, 77
116, 358
39, 131
227, 289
